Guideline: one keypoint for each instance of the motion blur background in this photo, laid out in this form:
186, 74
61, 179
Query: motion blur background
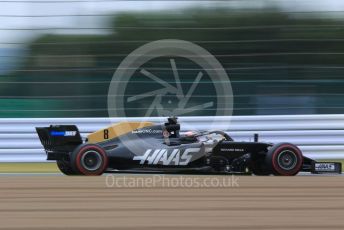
57, 57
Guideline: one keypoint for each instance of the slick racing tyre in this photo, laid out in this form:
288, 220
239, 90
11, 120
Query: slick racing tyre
65, 168
89, 160
284, 159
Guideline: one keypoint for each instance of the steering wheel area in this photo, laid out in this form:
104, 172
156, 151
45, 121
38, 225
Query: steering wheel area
225, 135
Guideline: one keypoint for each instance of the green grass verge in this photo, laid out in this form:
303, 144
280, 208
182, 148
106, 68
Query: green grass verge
50, 167
29, 167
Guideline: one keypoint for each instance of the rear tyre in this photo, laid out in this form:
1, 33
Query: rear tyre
65, 168
89, 160
284, 159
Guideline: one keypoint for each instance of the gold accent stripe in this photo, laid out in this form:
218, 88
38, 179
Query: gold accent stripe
116, 130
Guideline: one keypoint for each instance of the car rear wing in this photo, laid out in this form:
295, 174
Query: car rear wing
59, 138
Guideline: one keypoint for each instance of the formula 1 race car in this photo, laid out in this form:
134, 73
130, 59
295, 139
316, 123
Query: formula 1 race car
145, 146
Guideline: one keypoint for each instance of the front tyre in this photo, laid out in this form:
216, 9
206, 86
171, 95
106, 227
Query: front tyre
284, 159
89, 160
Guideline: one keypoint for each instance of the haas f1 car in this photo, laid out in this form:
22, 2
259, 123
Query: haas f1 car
145, 146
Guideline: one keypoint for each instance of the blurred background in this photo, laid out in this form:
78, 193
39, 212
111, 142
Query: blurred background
57, 57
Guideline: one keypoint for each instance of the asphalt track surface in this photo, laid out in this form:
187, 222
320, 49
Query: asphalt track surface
126, 201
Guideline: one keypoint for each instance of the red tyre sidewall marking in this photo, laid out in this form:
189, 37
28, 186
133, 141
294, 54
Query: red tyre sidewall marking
282, 171
82, 151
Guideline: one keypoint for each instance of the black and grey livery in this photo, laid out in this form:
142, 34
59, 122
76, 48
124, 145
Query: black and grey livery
161, 148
